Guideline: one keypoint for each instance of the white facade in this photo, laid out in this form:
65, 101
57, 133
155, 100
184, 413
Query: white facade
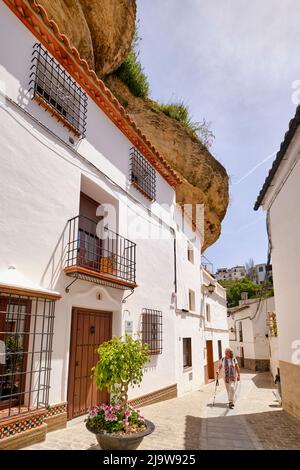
281, 201
42, 176
249, 332
214, 317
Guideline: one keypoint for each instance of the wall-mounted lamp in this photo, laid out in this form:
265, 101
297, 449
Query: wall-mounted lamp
211, 288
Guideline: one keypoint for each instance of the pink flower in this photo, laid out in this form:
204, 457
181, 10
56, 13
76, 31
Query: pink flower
110, 417
127, 413
93, 411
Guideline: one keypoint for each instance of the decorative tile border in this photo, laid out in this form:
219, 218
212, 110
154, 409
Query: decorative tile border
55, 410
158, 395
18, 424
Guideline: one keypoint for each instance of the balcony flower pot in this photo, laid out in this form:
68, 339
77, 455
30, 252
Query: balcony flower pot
121, 441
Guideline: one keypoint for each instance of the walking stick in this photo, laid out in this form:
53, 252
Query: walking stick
217, 384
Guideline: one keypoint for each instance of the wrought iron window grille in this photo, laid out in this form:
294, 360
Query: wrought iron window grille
26, 335
54, 89
152, 330
142, 174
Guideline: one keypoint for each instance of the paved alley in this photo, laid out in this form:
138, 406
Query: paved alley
192, 422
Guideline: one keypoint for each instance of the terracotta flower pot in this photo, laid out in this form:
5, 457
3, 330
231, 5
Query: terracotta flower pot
112, 441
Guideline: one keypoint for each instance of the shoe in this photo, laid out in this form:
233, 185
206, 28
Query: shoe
231, 405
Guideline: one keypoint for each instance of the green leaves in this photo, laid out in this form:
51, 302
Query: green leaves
120, 365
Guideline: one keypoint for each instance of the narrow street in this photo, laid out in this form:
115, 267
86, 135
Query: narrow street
192, 422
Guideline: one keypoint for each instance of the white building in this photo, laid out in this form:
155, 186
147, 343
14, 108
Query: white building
249, 333
214, 314
280, 198
262, 273
231, 274
92, 244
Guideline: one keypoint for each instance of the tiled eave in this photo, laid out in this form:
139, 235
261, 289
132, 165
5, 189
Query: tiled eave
35, 18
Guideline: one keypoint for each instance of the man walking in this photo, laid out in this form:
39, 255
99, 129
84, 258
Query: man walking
231, 372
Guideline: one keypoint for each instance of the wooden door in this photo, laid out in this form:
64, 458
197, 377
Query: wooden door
242, 357
210, 360
89, 329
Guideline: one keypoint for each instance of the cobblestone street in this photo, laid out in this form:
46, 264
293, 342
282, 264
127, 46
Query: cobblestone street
191, 422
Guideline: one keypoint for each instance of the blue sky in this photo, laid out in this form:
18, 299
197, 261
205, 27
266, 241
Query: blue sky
233, 62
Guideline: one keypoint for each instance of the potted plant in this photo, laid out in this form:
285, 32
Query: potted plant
117, 425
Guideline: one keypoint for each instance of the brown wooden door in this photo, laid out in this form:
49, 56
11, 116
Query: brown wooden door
210, 360
242, 357
89, 329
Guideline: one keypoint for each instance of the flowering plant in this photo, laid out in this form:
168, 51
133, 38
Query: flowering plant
115, 418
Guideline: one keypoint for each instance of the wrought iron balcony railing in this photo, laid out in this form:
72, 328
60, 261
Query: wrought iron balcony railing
100, 251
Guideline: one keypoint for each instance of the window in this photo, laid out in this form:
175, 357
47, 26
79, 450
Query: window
207, 311
142, 175
192, 300
190, 252
187, 352
26, 332
220, 348
261, 269
54, 89
240, 332
152, 330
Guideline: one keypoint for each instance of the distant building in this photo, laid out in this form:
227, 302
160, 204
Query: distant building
231, 274
262, 273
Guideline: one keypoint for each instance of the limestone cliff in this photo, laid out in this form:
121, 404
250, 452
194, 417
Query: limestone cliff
205, 180
103, 31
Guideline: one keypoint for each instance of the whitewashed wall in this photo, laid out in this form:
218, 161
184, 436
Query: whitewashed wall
41, 179
255, 342
217, 328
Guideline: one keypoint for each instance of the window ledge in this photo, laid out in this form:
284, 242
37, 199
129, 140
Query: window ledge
187, 369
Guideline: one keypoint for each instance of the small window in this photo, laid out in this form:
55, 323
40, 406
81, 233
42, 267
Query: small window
240, 332
190, 252
261, 269
152, 330
142, 175
207, 311
220, 348
192, 300
55, 90
187, 352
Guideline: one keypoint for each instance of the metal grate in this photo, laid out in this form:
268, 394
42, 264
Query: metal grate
142, 175
54, 89
152, 330
108, 252
26, 333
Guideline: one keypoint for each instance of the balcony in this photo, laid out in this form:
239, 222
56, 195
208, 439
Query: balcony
99, 255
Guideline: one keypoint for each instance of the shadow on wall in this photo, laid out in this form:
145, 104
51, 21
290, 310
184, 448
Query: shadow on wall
56, 262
